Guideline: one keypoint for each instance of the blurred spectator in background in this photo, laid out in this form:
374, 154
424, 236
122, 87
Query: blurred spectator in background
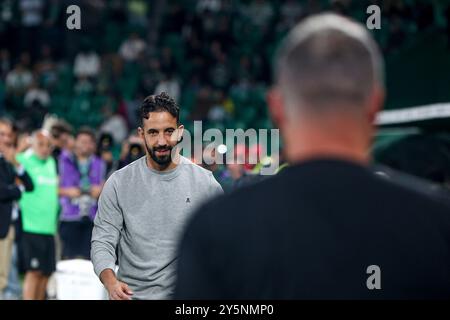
5, 65
132, 47
87, 62
170, 85
210, 5
21, 138
82, 175
152, 74
219, 74
36, 93
61, 134
36, 103
13, 291
260, 13
203, 103
20, 78
46, 68
167, 60
5, 62
114, 124
243, 168
138, 12
55, 17
105, 152
8, 22
177, 16
132, 109
31, 18
290, 13
39, 212
132, 149
236, 171
236, 166
13, 183
219, 171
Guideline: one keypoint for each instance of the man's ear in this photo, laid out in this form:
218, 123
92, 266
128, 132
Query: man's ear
376, 103
177, 135
180, 131
140, 132
276, 107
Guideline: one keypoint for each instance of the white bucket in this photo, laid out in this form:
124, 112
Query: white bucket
76, 280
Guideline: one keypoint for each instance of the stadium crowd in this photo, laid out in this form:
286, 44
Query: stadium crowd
213, 57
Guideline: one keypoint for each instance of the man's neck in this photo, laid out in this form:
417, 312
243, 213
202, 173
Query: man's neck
156, 166
345, 141
213, 167
81, 158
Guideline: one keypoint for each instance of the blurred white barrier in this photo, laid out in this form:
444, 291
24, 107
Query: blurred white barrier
76, 280
418, 113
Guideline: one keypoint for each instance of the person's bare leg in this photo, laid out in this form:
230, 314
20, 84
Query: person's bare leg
31, 285
42, 288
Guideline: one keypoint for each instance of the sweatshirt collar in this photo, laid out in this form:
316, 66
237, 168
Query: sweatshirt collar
164, 175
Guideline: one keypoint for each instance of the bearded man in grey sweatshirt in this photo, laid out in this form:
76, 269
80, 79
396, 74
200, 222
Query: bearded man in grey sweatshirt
144, 206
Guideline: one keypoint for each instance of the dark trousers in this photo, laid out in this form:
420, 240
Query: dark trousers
76, 239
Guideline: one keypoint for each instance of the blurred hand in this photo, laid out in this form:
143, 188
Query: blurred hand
18, 182
119, 291
23, 143
125, 150
71, 192
95, 191
107, 156
135, 140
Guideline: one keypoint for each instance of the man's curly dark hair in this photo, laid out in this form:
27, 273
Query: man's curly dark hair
157, 103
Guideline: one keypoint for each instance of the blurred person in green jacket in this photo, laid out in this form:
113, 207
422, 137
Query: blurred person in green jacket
39, 210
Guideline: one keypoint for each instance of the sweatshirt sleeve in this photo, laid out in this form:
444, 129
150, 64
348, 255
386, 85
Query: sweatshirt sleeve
9, 192
108, 224
25, 178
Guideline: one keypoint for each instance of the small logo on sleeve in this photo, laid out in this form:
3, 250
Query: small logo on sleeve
188, 200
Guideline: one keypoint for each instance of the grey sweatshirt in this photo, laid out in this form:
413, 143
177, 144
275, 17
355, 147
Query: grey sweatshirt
142, 212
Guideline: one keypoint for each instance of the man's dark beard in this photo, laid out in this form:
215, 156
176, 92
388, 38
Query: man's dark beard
163, 161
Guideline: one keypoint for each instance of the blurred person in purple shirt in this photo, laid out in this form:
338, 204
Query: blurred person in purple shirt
82, 175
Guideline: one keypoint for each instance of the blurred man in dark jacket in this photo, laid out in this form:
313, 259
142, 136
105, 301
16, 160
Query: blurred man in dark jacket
13, 182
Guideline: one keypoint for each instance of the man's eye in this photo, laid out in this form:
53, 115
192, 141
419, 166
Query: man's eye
153, 133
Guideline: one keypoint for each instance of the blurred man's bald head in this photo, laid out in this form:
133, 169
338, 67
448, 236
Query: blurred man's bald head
41, 135
328, 61
41, 144
329, 88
